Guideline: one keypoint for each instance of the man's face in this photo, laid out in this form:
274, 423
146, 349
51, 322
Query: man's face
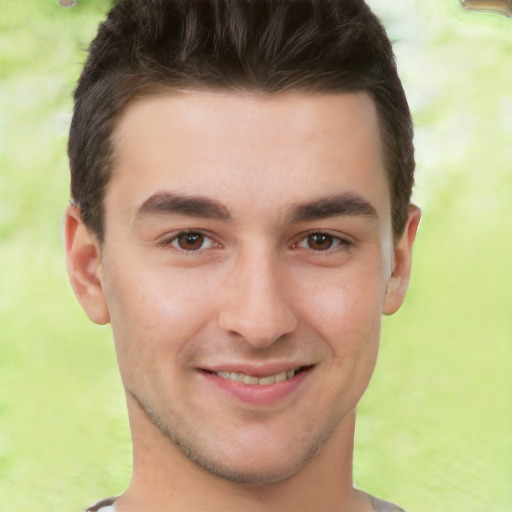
248, 258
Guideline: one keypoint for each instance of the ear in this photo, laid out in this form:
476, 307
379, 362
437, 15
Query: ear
401, 273
83, 261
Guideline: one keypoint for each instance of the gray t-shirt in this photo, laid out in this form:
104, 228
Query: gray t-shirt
378, 506
383, 505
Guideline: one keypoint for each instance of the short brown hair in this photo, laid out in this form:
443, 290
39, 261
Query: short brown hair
270, 46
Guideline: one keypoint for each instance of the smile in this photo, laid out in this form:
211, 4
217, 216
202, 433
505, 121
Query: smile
258, 381
252, 387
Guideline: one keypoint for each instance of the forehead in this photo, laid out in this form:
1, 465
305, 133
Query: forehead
246, 149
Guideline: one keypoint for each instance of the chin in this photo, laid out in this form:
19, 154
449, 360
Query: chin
254, 455
251, 456
262, 472
251, 459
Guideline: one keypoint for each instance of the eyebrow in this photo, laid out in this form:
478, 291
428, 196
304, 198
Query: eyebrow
175, 203
332, 206
170, 203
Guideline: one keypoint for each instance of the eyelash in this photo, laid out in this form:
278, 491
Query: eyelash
174, 238
340, 243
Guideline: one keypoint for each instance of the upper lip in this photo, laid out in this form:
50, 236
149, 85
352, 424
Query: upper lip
256, 370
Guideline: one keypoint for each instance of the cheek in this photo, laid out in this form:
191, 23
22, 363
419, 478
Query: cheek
346, 311
349, 319
345, 307
154, 313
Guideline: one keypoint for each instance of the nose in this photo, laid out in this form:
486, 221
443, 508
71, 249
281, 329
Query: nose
258, 306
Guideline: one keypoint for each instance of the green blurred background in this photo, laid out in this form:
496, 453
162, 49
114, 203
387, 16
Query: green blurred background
435, 428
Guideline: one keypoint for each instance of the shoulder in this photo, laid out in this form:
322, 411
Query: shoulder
384, 506
102, 506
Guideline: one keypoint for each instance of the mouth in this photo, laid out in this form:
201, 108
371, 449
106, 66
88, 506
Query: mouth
256, 387
253, 380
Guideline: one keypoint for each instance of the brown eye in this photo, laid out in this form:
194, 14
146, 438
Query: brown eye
321, 242
192, 241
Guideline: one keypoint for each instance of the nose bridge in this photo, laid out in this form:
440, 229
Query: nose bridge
258, 307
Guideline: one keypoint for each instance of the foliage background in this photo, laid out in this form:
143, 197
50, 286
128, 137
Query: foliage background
435, 428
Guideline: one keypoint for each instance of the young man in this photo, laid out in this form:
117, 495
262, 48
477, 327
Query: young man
241, 181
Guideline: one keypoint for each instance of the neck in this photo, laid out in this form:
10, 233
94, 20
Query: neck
164, 479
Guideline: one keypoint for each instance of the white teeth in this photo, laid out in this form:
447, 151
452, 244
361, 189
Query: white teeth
280, 377
238, 377
250, 380
263, 381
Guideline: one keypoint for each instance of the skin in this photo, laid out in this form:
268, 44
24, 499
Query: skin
289, 262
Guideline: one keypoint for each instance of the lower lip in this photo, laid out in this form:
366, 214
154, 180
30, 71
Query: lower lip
255, 394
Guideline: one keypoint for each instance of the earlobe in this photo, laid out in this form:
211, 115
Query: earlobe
401, 274
83, 261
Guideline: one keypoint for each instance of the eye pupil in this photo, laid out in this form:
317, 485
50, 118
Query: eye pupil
190, 241
320, 241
